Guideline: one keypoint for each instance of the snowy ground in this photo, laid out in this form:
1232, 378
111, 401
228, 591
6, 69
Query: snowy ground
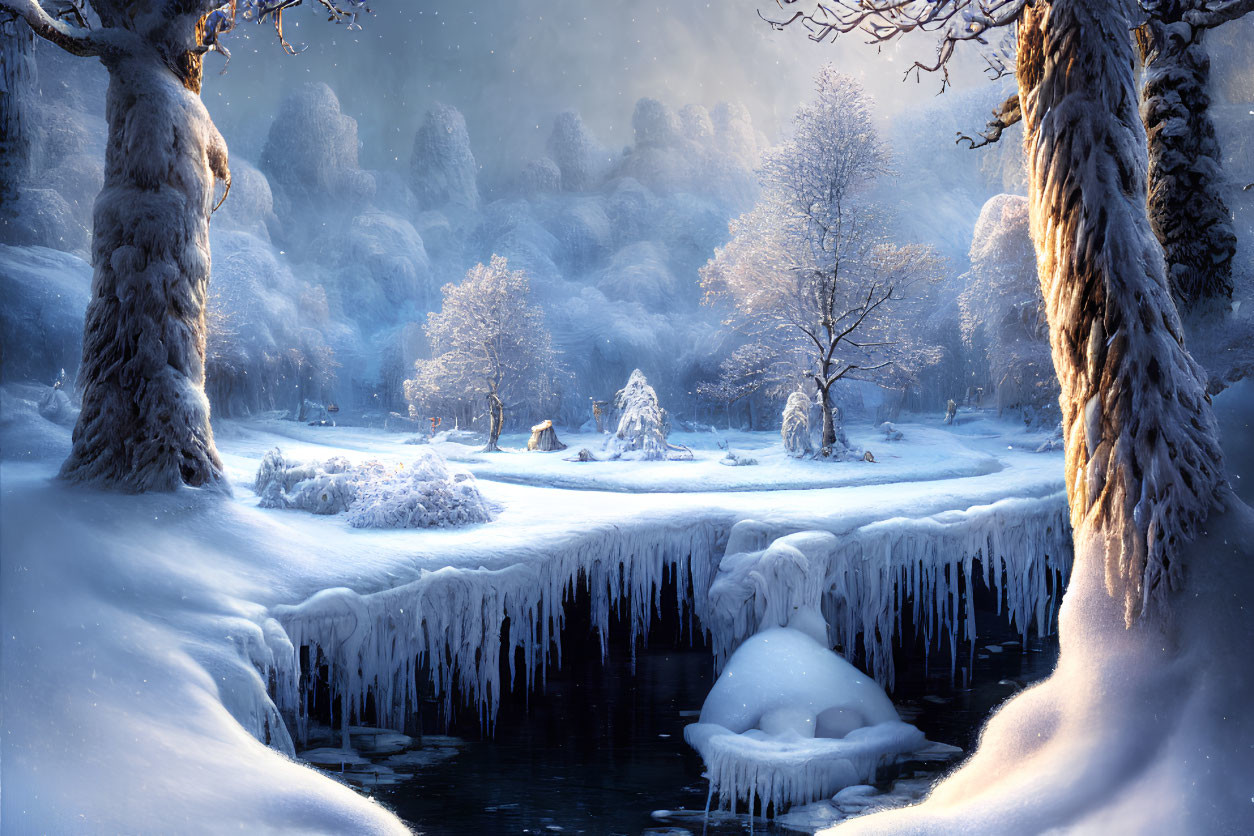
135, 627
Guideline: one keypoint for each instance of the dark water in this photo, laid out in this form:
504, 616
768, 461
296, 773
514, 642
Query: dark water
601, 747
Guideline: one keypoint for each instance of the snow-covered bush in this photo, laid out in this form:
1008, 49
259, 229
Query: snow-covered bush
642, 423
796, 427
424, 494
890, 431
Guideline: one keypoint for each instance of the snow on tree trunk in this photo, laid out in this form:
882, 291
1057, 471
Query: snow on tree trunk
796, 428
642, 425
1143, 459
145, 419
1186, 208
17, 88
496, 418
544, 438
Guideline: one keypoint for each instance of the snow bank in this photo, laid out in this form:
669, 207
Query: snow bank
424, 495
1139, 730
865, 580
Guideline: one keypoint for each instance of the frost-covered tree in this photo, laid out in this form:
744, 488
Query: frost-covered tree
487, 341
1144, 473
1186, 205
1002, 311
145, 418
808, 271
575, 151
642, 422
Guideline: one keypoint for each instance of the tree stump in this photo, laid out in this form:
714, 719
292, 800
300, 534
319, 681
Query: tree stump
544, 438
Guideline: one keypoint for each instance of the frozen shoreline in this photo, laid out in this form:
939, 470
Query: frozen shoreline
200, 577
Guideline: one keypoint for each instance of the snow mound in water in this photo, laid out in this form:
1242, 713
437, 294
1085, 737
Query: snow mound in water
425, 494
789, 722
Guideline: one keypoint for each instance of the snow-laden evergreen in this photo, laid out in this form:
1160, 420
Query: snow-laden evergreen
642, 423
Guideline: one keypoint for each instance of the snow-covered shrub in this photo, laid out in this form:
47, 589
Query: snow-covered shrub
796, 427
442, 168
642, 424
423, 494
890, 431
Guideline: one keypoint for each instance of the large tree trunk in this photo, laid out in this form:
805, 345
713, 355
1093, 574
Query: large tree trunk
1143, 460
1186, 207
145, 419
17, 90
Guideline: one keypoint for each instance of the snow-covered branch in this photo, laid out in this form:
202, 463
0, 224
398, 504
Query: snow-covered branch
75, 39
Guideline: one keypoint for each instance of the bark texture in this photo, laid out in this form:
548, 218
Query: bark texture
1185, 200
17, 89
145, 419
1143, 461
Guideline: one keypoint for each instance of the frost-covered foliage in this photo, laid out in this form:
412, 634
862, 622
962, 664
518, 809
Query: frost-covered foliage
1003, 313
442, 169
642, 423
488, 342
796, 425
808, 273
423, 494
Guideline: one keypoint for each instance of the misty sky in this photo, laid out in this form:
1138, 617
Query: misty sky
511, 65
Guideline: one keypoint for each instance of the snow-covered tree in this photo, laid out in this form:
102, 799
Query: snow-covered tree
1002, 312
1144, 472
145, 418
808, 271
575, 151
487, 341
796, 426
642, 423
442, 168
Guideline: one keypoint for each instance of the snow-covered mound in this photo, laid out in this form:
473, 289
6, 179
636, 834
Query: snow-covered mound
423, 495
789, 722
